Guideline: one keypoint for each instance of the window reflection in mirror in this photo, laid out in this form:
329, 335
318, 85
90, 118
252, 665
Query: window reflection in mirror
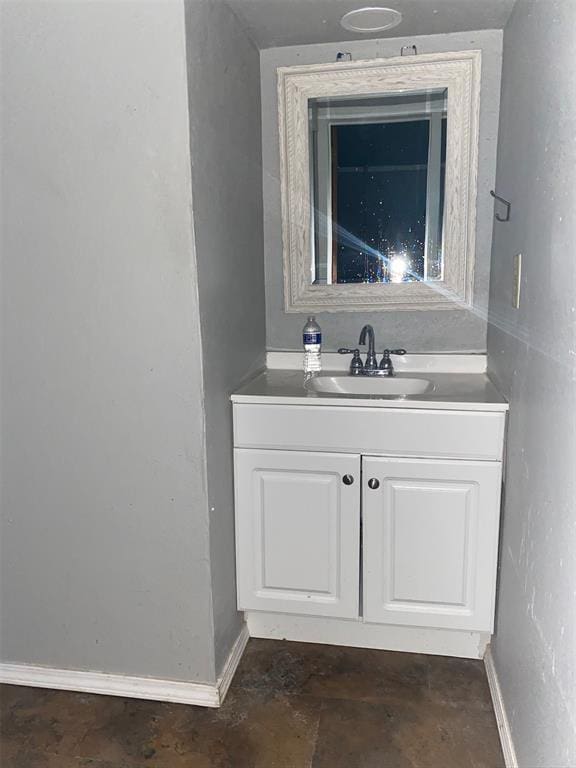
377, 173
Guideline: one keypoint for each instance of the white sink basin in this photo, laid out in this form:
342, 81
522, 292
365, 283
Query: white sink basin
367, 385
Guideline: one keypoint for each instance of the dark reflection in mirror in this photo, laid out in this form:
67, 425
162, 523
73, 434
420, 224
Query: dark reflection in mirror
378, 170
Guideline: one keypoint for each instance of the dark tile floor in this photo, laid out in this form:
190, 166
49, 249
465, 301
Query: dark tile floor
291, 705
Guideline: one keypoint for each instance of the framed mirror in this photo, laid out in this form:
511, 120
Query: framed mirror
378, 172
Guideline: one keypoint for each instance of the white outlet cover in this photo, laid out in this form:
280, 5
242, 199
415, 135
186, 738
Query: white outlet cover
517, 280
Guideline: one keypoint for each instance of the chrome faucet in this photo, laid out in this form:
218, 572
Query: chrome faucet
370, 367
371, 363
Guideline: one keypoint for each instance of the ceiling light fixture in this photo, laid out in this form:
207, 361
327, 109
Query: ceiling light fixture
369, 20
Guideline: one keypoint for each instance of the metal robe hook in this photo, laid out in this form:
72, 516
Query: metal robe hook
508, 205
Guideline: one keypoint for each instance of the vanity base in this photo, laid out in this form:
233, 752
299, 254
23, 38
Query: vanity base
312, 629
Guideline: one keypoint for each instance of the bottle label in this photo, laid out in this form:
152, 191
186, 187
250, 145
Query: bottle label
312, 338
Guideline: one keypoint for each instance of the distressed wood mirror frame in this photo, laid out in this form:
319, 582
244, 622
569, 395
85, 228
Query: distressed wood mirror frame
459, 73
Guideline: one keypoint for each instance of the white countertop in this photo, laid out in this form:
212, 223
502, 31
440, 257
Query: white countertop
450, 391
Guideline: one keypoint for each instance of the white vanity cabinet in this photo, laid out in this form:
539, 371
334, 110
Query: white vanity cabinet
381, 517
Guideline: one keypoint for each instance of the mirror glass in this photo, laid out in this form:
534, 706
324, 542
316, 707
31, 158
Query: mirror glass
377, 175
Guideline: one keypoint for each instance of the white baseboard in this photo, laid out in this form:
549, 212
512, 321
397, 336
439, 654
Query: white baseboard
231, 663
312, 629
200, 694
500, 712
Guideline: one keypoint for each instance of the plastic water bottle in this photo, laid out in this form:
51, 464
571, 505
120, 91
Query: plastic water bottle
312, 340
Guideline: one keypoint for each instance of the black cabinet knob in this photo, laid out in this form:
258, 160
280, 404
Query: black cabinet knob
373, 483
347, 479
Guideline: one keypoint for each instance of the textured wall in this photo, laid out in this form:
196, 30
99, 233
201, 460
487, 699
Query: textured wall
105, 559
417, 331
224, 88
532, 354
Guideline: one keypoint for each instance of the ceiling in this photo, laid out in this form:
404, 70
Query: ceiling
273, 23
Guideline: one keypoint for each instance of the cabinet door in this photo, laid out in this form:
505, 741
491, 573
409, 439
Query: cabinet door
430, 542
298, 532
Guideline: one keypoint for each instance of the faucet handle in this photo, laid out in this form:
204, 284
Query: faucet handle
386, 362
356, 364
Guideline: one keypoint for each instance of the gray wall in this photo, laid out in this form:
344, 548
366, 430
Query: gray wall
531, 353
417, 331
105, 551
224, 88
